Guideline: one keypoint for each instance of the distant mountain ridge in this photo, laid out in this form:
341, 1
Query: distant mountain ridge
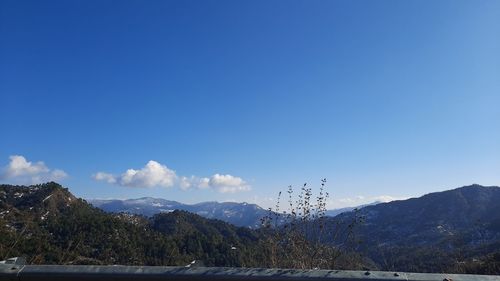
438, 215
335, 212
239, 214
436, 230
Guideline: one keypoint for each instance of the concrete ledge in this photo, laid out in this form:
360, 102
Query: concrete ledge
139, 273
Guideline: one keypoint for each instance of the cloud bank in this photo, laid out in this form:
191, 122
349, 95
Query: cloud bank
155, 174
20, 170
360, 200
227, 183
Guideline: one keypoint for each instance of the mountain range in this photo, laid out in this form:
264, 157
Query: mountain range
239, 214
335, 212
451, 231
433, 231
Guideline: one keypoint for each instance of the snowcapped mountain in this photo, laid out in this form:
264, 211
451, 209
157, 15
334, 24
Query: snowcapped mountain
239, 214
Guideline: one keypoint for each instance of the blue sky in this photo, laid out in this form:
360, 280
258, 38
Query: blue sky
236, 100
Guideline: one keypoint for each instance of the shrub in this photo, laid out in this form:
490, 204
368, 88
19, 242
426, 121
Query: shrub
303, 237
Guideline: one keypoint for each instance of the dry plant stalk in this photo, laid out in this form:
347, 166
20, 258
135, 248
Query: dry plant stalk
302, 236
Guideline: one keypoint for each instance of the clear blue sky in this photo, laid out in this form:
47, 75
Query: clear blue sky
395, 98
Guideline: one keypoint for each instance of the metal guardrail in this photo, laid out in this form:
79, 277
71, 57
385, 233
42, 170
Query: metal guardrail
21, 272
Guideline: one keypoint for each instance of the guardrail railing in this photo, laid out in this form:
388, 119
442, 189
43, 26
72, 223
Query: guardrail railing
21, 272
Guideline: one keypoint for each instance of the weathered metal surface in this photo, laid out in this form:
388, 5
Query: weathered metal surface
9, 271
139, 273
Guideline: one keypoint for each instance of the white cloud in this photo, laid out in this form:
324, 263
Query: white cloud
156, 174
204, 183
217, 182
101, 176
20, 170
186, 183
153, 174
228, 183
355, 201
387, 198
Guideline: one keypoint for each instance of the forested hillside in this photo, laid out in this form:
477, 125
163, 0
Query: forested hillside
456, 230
48, 225
452, 231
